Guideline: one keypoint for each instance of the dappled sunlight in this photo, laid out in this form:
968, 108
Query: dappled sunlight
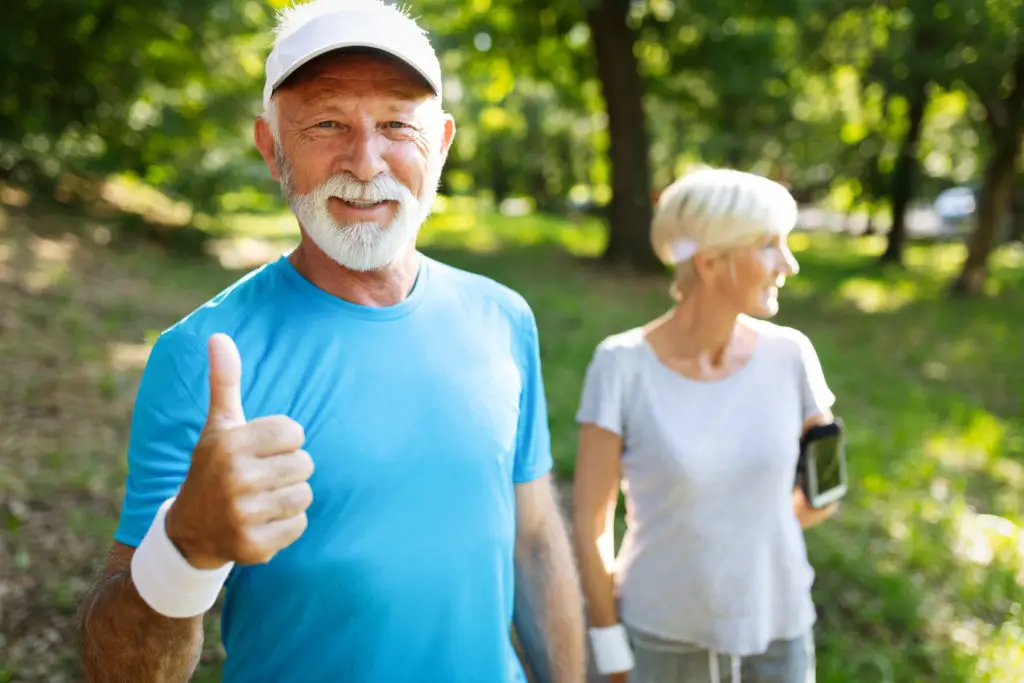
131, 195
458, 229
871, 296
244, 253
1002, 659
12, 196
6, 267
280, 225
124, 357
939, 261
458, 226
38, 264
980, 538
977, 445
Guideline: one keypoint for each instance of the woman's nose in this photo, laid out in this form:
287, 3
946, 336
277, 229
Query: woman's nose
789, 262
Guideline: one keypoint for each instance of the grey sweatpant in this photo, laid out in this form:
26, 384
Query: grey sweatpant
660, 661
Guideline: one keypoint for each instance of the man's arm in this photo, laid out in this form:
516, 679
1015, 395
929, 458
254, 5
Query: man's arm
548, 608
125, 641
243, 498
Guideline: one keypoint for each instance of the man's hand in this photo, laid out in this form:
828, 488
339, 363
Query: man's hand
246, 492
808, 516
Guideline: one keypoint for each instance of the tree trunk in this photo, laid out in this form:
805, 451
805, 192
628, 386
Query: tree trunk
869, 227
1005, 118
499, 172
903, 178
533, 165
1017, 222
629, 215
993, 206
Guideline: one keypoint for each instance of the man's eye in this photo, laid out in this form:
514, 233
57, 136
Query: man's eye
396, 124
326, 124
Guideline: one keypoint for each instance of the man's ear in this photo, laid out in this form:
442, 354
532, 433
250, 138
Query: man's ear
447, 134
266, 145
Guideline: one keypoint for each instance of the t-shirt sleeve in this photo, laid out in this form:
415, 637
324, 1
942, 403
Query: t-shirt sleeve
165, 427
817, 398
603, 396
533, 438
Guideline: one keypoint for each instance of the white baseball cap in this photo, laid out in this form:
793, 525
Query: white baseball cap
369, 24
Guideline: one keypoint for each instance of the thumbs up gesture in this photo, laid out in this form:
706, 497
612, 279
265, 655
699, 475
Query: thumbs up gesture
246, 492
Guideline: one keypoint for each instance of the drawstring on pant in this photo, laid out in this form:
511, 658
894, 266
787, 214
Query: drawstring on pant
713, 667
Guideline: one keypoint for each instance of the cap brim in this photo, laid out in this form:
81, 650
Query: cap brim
348, 30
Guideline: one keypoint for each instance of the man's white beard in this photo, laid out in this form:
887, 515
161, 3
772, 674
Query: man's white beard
366, 245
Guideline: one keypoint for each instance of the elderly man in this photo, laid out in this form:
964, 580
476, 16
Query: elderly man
353, 438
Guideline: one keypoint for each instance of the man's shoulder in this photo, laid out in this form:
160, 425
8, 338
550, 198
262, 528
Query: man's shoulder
257, 291
486, 290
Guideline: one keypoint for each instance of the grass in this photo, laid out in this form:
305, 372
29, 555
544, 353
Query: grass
920, 578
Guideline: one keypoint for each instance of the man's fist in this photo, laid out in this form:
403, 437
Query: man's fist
246, 492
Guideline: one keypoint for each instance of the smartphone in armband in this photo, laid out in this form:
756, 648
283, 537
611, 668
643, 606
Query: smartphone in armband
821, 469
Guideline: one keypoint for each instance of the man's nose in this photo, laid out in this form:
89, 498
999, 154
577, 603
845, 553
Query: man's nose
364, 158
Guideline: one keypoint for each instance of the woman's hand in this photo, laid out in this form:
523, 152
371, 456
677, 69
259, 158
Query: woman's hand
808, 516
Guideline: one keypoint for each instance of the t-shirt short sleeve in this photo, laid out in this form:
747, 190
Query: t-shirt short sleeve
817, 398
603, 395
533, 437
165, 427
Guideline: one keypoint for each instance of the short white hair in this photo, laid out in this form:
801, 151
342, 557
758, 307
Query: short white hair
718, 209
295, 16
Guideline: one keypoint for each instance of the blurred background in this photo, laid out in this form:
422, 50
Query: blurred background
130, 192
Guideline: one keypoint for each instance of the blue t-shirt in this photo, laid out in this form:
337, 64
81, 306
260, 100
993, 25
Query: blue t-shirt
420, 418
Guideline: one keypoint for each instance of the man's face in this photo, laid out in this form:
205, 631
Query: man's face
361, 142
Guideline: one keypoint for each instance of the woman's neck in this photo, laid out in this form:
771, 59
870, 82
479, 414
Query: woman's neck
701, 340
700, 329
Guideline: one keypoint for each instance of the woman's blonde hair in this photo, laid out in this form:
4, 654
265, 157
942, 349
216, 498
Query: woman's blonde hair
716, 209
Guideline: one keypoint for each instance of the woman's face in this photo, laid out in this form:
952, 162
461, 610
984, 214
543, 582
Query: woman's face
755, 273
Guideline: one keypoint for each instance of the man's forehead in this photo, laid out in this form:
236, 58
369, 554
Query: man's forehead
360, 68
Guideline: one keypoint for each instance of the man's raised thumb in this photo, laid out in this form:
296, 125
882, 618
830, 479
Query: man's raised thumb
225, 382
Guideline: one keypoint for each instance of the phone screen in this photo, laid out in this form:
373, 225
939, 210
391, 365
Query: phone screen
826, 455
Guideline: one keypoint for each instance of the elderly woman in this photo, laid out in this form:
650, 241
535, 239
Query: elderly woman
699, 415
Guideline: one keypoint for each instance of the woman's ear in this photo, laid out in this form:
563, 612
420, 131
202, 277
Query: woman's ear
705, 264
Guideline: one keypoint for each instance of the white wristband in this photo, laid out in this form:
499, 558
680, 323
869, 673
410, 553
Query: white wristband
612, 653
165, 579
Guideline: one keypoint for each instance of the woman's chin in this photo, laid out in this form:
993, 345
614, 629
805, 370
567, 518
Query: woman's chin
767, 306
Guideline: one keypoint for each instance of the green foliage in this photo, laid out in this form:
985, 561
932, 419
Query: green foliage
162, 90
815, 93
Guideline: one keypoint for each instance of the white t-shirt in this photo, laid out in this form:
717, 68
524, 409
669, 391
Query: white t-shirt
713, 554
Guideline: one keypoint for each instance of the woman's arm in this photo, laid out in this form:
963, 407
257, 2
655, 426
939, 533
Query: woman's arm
805, 514
595, 494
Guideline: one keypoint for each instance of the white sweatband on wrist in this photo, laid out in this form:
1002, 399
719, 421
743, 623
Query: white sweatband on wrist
166, 581
612, 653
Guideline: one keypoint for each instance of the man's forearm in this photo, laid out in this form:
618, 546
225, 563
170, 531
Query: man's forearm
549, 612
124, 641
